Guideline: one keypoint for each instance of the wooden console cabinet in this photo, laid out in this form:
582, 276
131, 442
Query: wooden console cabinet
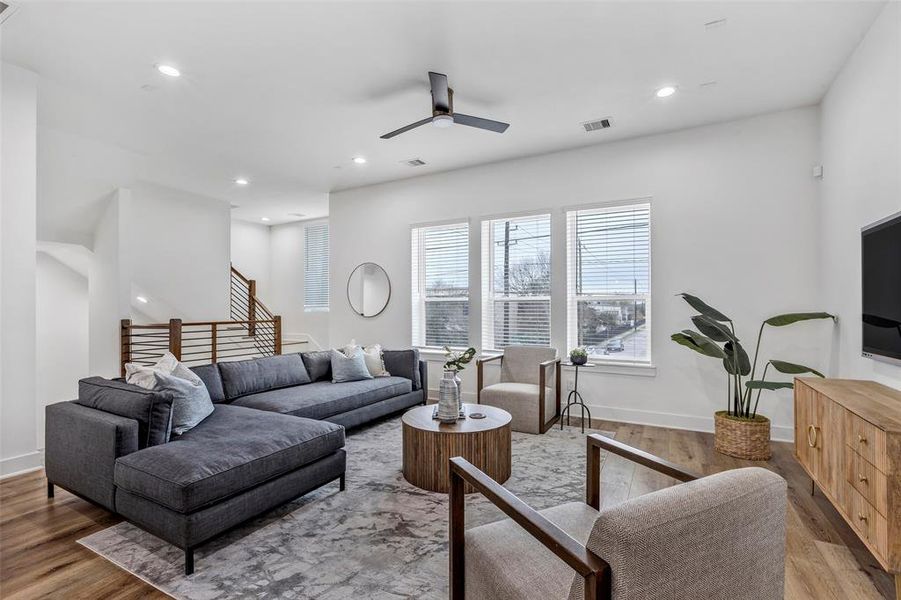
848, 439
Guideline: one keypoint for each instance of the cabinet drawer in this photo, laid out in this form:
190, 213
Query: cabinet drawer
868, 523
871, 483
866, 439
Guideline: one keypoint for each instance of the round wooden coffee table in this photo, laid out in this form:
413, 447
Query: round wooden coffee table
429, 444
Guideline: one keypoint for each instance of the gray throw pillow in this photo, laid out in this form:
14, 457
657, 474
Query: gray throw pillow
191, 402
318, 364
349, 368
403, 363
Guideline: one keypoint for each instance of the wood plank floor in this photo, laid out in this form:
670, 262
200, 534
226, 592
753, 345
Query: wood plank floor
39, 556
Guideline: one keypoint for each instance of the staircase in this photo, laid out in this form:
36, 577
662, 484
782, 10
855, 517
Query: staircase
252, 332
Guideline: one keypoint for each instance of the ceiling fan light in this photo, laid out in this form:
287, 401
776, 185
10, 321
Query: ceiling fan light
442, 121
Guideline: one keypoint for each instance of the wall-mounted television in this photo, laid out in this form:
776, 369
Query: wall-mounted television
881, 254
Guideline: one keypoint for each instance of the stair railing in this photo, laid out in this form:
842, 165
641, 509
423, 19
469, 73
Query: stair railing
199, 342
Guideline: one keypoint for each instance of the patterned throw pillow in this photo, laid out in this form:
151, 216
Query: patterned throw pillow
374, 361
144, 376
349, 368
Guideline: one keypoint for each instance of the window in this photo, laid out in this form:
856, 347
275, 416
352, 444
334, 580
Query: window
441, 285
516, 282
609, 281
315, 267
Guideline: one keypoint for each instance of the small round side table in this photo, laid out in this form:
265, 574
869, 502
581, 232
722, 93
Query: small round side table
574, 398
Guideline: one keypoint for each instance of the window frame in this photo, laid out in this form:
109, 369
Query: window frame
488, 296
316, 308
418, 286
573, 299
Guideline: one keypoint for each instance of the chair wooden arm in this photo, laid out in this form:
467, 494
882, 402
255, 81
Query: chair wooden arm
542, 383
480, 383
592, 568
593, 478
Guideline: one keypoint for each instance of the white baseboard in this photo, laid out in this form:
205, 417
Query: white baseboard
779, 433
17, 465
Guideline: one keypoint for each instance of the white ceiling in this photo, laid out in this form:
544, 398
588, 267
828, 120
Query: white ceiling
287, 93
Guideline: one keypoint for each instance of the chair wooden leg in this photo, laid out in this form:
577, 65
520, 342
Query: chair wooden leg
593, 476
455, 534
897, 586
50, 490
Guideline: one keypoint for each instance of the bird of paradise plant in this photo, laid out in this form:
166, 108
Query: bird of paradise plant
715, 328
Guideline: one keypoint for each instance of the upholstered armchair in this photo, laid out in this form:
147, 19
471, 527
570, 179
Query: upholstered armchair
721, 536
524, 390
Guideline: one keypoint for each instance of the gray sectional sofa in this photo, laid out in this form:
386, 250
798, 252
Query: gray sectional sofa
276, 433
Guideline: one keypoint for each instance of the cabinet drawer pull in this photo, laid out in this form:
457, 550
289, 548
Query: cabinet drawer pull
812, 442
862, 478
861, 439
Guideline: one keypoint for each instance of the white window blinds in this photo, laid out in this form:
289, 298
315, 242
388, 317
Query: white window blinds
516, 282
609, 281
315, 267
440, 282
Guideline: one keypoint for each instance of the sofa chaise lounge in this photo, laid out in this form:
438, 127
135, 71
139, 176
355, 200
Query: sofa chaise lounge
276, 433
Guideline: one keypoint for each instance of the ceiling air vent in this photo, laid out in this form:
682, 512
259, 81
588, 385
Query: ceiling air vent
414, 162
596, 125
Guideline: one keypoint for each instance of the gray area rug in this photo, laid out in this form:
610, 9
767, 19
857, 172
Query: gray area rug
382, 538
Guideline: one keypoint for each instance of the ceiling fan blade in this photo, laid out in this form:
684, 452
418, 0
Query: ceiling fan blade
406, 128
480, 123
440, 95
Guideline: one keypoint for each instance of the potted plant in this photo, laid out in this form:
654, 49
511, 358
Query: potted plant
578, 356
456, 361
739, 430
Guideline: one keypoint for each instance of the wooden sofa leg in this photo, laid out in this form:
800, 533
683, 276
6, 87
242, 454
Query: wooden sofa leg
49, 490
341, 484
189, 561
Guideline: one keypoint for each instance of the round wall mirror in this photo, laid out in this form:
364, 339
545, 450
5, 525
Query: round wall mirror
368, 290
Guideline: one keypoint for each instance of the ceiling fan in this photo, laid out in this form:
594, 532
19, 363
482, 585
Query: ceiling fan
443, 114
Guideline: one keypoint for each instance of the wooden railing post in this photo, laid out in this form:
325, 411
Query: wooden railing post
175, 337
277, 321
214, 331
124, 344
252, 307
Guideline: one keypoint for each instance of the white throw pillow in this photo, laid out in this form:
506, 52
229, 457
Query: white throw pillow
374, 361
144, 376
349, 349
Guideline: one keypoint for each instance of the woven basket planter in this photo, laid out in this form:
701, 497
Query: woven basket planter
742, 438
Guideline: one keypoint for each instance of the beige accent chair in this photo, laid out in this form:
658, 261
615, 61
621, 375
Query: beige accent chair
523, 390
715, 537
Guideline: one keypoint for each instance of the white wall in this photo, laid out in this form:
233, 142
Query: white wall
168, 245
179, 246
861, 152
250, 254
61, 334
108, 288
734, 221
18, 165
287, 287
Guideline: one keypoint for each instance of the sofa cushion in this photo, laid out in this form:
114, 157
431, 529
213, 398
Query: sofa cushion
232, 450
503, 562
209, 375
318, 364
152, 409
244, 377
403, 363
322, 399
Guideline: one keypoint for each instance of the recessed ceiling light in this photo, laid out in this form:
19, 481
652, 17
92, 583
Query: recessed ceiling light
241, 181
666, 91
141, 299
266, 219
168, 70
360, 160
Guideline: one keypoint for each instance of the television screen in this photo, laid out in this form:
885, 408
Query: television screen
881, 254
